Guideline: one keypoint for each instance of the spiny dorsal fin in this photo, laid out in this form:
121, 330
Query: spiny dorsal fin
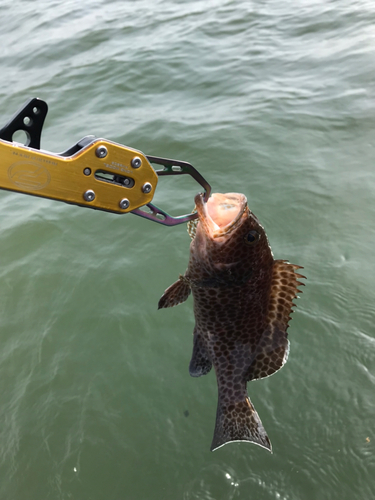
273, 347
283, 291
176, 293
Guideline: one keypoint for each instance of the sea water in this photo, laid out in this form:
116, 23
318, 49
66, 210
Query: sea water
271, 99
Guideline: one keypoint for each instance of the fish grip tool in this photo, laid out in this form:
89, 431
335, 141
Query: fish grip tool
93, 173
173, 167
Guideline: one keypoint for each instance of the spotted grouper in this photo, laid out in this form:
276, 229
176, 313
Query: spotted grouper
242, 304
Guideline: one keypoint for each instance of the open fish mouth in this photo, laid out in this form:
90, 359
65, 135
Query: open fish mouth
221, 214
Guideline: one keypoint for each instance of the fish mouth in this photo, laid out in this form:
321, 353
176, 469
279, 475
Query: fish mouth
222, 213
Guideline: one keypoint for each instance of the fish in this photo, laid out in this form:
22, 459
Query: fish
243, 299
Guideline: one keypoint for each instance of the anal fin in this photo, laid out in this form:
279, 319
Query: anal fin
200, 363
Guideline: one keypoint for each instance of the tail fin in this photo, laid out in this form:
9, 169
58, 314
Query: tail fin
239, 422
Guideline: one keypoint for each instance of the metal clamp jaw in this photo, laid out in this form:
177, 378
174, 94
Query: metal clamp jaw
94, 173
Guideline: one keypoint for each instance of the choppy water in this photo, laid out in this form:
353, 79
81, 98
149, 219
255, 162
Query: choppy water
273, 99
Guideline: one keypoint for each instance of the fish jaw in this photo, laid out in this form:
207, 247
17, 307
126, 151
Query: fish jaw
221, 214
220, 252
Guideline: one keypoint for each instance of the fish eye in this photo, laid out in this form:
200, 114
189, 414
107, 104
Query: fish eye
252, 237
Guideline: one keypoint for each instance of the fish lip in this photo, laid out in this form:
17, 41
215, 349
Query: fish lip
210, 227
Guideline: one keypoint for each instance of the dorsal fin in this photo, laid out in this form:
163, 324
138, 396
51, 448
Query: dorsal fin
273, 347
283, 291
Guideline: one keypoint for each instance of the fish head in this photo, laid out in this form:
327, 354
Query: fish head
228, 239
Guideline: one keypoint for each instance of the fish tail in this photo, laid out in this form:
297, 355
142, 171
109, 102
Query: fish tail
239, 422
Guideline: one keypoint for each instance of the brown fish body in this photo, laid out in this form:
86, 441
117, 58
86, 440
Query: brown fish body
242, 302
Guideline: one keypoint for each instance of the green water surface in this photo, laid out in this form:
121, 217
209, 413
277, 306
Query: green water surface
271, 99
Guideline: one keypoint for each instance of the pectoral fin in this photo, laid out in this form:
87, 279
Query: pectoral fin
176, 293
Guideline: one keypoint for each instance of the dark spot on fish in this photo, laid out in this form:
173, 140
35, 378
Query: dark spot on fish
186, 413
